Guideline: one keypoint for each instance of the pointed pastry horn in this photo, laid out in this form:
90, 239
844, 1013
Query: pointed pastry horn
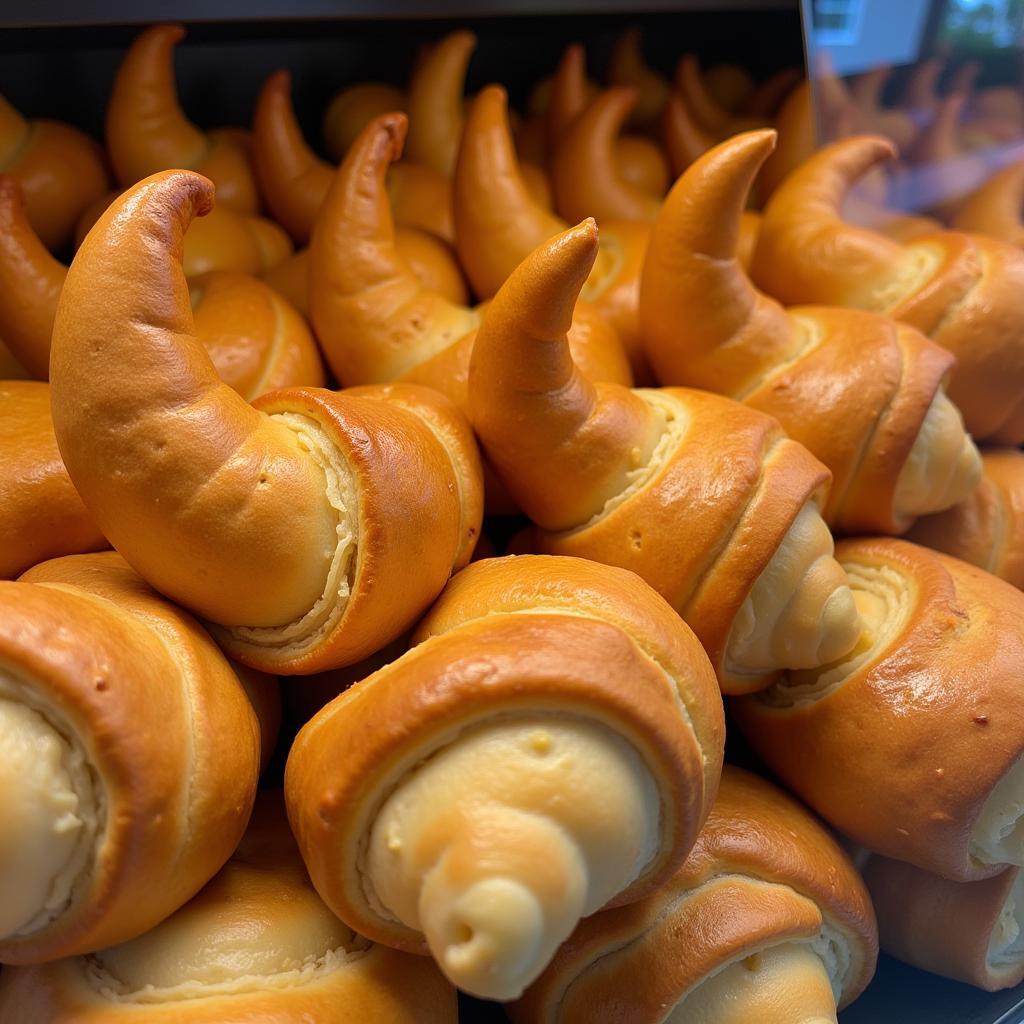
628, 67
435, 103
584, 174
374, 318
705, 110
497, 222
684, 139
570, 93
30, 284
292, 178
806, 252
994, 209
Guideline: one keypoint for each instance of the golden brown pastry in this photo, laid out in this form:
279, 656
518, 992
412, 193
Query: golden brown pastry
430, 800
41, 514
994, 208
148, 132
968, 931
499, 225
865, 394
987, 527
375, 319
705, 499
59, 168
768, 95
689, 83
256, 340
683, 136
352, 109
964, 291
730, 86
911, 744
130, 757
627, 67
767, 922
291, 525
256, 943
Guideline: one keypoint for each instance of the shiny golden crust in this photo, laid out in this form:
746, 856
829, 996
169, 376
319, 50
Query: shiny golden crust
41, 514
170, 736
352, 109
60, 169
854, 387
148, 132
941, 926
260, 912
994, 209
965, 292
683, 137
986, 528
763, 871
422, 198
938, 693
573, 666
433, 262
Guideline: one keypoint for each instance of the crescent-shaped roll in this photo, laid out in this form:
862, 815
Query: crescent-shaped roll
706, 500
434, 102
628, 68
353, 108
730, 86
430, 801
290, 525
256, 943
148, 132
41, 514
684, 137
968, 931
59, 168
965, 292
798, 137
767, 921
689, 82
987, 527
130, 758
994, 208
864, 393
498, 224
374, 317
933, 681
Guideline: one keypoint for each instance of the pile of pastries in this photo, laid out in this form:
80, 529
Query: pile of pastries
261, 441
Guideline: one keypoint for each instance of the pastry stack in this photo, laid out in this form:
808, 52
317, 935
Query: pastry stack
511, 782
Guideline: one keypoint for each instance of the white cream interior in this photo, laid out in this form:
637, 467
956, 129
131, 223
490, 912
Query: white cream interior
918, 266
800, 612
788, 983
1006, 945
943, 466
49, 815
998, 834
498, 844
606, 269
309, 630
884, 599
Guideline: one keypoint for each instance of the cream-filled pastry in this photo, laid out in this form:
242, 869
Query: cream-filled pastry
549, 746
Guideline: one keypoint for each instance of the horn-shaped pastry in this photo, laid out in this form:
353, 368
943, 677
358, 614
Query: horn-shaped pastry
375, 319
731, 87
798, 138
964, 291
352, 109
767, 921
584, 173
627, 67
994, 208
499, 225
148, 132
684, 138
430, 800
282, 524
435, 103
41, 514
130, 758
934, 680
256, 340
61, 170
862, 392
256, 943
969, 931
987, 527
621, 477
705, 109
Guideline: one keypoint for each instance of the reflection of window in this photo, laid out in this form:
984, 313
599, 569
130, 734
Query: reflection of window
984, 23
837, 22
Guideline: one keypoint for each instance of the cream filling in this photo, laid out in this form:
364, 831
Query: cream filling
340, 490
607, 268
998, 834
498, 844
50, 812
1006, 944
943, 466
919, 265
788, 983
800, 612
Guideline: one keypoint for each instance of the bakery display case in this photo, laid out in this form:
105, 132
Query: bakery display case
480, 317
